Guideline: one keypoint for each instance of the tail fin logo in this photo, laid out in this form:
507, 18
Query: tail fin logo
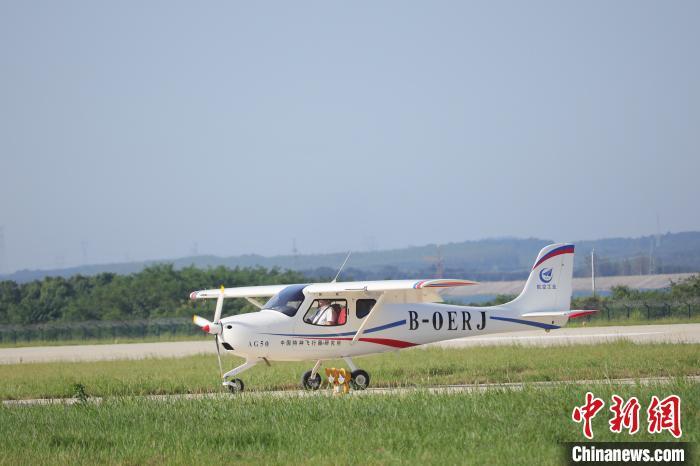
546, 275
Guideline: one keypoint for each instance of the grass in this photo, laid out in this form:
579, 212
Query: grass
601, 320
413, 367
496, 427
199, 336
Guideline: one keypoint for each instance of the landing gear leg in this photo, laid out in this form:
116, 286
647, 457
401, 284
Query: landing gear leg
236, 385
360, 378
311, 380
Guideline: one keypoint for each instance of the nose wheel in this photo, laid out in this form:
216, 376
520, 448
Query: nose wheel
234, 386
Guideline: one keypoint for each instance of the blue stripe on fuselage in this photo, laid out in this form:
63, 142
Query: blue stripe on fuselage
525, 322
345, 334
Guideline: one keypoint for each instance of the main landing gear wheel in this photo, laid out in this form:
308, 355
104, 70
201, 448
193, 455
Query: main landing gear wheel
235, 386
310, 383
360, 379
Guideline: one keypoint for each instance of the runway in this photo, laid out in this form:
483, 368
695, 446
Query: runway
678, 333
435, 390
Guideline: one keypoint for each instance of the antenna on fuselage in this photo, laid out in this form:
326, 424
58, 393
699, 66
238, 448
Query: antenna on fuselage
341, 267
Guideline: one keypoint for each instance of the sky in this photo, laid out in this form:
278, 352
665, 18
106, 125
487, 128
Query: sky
159, 129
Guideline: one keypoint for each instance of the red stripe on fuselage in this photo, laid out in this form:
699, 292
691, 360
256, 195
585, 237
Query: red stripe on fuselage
448, 284
390, 342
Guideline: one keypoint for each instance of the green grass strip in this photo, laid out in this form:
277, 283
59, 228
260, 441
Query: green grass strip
496, 427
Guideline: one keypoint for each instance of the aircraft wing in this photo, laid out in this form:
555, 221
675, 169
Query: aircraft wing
420, 290
240, 292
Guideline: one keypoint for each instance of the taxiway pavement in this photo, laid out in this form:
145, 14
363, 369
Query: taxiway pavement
678, 333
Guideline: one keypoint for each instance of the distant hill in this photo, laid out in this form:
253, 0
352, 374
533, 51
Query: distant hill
484, 260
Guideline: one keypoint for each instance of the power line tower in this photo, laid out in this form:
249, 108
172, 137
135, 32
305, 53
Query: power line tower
295, 252
439, 262
653, 247
593, 271
657, 244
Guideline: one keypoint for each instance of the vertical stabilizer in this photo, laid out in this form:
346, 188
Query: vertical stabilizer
549, 286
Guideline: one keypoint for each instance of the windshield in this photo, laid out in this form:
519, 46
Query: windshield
287, 301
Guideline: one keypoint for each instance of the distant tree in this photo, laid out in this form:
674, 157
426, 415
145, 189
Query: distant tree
159, 290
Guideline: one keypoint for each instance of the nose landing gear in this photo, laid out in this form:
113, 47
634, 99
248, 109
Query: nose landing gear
234, 386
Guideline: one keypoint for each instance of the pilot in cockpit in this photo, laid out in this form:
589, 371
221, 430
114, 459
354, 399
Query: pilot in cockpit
327, 314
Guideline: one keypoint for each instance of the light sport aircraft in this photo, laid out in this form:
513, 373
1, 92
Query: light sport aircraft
323, 321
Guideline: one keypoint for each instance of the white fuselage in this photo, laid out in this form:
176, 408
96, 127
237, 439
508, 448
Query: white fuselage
277, 337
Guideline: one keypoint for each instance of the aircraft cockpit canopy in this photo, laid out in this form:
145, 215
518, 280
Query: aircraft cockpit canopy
287, 301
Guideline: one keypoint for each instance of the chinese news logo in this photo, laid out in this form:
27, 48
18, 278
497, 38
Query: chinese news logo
662, 415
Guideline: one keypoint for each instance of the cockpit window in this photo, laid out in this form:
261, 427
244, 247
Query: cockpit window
287, 301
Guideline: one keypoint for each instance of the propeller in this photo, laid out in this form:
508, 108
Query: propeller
207, 326
213, 328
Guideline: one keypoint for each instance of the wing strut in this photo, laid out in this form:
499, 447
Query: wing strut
254, 302
361, 330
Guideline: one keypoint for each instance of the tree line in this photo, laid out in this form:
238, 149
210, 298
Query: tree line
155, 292
161, 291
680, 299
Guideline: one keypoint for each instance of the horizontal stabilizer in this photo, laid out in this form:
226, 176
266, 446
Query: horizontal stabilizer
572, 314
575, 313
